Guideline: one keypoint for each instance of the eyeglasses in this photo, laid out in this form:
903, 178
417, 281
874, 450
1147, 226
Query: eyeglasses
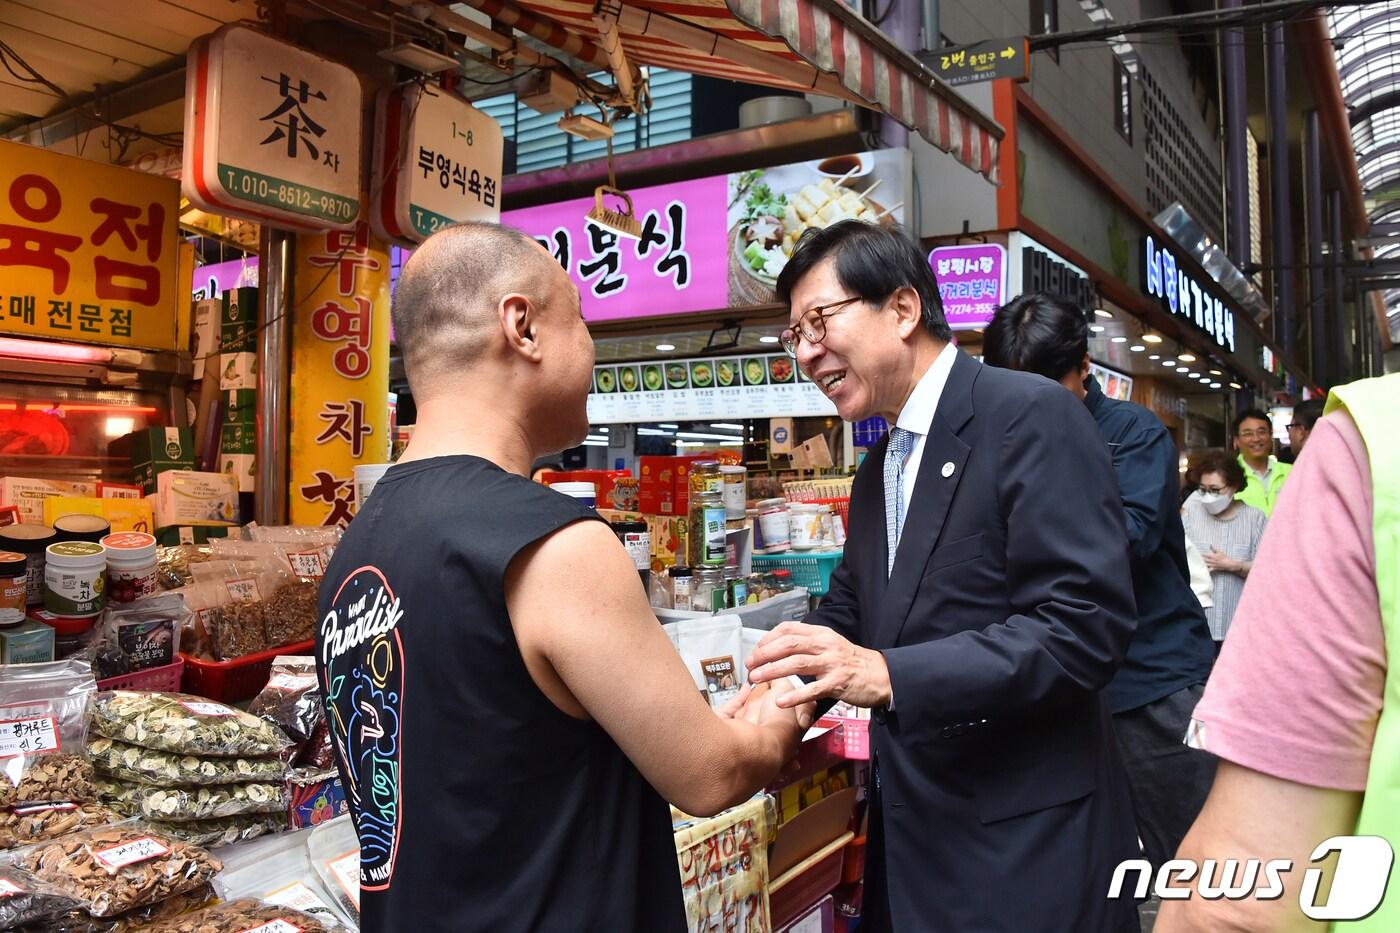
1214, 490
811, 326
1256, 435
1296, 426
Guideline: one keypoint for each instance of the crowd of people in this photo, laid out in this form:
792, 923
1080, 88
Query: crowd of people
1016, 606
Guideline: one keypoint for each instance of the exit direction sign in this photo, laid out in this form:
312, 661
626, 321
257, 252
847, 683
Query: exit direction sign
982, 61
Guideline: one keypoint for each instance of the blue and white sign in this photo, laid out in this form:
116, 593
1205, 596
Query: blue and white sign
1185, 297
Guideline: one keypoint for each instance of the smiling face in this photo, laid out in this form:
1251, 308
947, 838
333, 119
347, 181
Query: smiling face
863, 364
1255, 439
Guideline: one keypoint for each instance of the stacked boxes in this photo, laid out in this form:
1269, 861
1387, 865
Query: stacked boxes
28, 495
238, 379
155, 451
665, 484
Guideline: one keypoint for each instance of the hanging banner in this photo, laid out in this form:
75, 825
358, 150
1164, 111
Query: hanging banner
340, 371
971, 282
88, 252
693, 257
272, 132
760, 386
437, 161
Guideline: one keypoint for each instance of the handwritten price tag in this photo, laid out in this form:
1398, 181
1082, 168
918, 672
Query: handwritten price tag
27, 736
130, 853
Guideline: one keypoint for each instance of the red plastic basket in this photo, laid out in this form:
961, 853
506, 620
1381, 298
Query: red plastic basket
849, 738
163, 679
841, 507
854, 869
239, 679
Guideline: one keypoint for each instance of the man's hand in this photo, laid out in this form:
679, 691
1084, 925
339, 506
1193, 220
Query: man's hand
759, 705
843, 671
1219, 562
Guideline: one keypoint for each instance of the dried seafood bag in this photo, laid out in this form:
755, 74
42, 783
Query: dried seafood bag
186, 804
117, 759
175, 722
44, 715
115, 869
279, 873
292, 698
140, 635
29, 823
241, 916
334, 850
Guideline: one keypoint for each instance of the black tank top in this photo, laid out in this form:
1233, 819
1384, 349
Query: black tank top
479, 804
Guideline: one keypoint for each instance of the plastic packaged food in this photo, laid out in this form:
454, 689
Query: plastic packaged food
150, 766
26, 899
211, 834
280, 874
35, 822
140, 635
711, 650
185, 804
335, 854
175, 722
292, 698
75, 577
44, 727
242, 916
119, 868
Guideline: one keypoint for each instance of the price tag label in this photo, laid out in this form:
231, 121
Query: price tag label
284, 681
346, 870
297, 896
9, 888
130, 853
274, 926
307, 564
244, 590
28, 736
207, 709
29, 809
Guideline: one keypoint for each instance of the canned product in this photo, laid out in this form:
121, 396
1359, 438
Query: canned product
14, 577
75, 578
131, 566
735, 490
31, 541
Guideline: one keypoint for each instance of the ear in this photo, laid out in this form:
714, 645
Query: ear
908, 311
520, 322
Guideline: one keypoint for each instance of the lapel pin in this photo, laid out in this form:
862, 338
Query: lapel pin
948, 469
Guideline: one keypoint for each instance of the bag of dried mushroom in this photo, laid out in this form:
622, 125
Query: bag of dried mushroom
185, 725
119, 868
46, 713
150, 766
245, 916
183, 804
35, 822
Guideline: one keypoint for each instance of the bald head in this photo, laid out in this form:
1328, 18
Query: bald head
445, 306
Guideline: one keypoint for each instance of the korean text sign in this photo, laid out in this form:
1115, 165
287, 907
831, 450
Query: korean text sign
971, 282
88, 252
340, 371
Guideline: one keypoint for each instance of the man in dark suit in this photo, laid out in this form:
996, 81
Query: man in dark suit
984, 600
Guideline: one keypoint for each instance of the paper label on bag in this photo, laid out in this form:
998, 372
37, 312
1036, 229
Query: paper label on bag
307, 564
284, 681
244, 590
207, 709
27, 736
9, 888
29, 809
721, 679
274, 926
130, 853
346, 870
297, 896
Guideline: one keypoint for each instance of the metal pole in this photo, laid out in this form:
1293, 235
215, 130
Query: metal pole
1339, 350
1281, 187
275, 272
1317, 278
932, 31
1236, 133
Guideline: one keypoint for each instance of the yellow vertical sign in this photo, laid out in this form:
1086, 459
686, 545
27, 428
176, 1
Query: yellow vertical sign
340, 370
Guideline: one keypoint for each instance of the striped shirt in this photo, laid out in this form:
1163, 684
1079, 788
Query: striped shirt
1238, 537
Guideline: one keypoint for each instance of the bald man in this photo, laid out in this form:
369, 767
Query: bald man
509, 718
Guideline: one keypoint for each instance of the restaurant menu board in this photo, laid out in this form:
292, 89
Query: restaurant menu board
760, 386
1114, 384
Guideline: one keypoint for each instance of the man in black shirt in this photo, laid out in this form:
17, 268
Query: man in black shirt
509, 718
1170, 656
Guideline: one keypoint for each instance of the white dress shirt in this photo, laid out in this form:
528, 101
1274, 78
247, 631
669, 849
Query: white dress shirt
917, 416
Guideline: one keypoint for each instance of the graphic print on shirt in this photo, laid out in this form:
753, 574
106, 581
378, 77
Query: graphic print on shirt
362, 652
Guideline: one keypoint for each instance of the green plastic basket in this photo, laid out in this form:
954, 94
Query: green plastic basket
812, 570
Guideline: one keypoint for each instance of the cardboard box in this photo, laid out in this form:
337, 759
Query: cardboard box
206, 333
29, 642
186, 534
28, 495
146, 474
121, 514
817, 826
196, 499
170, 445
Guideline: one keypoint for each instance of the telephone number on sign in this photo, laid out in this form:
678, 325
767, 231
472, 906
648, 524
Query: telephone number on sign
293, 197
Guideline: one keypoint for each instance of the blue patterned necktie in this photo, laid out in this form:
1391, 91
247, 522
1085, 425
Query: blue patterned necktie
901, 443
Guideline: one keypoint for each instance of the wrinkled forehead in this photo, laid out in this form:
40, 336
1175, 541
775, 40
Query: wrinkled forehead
819, 287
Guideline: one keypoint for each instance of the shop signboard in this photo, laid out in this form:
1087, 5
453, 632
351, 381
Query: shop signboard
437, 161
987, 60
971, 282
272, 132
1185, 295
761, 386
340, 371
88, 252
692, 257
1035, 268
213, 280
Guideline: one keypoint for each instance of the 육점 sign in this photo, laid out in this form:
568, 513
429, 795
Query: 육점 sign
437, 162
88, 252
272, 132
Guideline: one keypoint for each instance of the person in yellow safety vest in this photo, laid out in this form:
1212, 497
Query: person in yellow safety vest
1264, 474
1303, 707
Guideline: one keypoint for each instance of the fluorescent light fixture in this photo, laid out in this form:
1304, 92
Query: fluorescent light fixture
1152, 338
1168, 362
767, 338
705, 436
1215, 385
671, 426
420, 58
722, 424
1236, 385
1097, 328
47, 352
1137, 348
665, 347
595, 438
1101, 312
1155, 356
652, 432
1216, 372
1120, 339
593, 443
1182, 369
1186, 357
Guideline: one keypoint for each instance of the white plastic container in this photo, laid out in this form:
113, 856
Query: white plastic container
774, 523
131, 566
75, 577
586, 493
735, 490
806, 526
367, 475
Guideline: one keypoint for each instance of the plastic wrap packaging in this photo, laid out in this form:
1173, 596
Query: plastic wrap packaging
187, 725
80, 921
316, 796
43, 727
334, 850
286, 584
139, 636
242, 916
211, 834
26, 899
281, 875
317, 752
115, 869
36, 822
185, 804
147, 765
292, 698
711, 649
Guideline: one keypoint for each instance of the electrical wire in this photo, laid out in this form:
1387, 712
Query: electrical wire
507, 80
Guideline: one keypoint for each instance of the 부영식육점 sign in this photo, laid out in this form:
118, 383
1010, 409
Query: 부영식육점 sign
971, 282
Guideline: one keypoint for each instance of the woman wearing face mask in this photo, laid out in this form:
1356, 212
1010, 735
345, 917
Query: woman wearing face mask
1227, 533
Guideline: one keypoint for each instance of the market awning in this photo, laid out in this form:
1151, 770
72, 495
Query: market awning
818, 46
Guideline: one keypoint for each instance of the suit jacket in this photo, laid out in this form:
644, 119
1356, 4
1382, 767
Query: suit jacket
1003, 803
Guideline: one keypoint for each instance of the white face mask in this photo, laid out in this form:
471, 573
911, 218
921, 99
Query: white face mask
1215, 502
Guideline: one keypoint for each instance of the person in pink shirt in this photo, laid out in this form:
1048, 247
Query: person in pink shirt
1292, 705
